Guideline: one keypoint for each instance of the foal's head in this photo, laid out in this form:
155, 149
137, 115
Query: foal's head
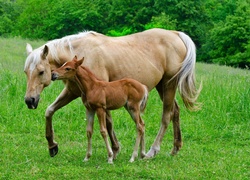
68, 70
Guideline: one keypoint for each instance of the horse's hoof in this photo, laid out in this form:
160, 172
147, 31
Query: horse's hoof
175, 150
110, 162
131, 160
85, 160
116, 151
53, 151
152, 153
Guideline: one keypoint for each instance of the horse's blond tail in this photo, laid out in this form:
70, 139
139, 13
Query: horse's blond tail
186, 75
144, 100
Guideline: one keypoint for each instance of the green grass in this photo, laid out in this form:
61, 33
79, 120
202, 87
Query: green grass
216, 138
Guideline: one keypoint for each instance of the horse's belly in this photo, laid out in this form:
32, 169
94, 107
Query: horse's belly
144, 73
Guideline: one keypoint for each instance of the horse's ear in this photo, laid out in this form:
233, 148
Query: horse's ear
45, 52
29, 48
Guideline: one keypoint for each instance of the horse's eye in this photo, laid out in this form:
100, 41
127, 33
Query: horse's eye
67, 69
41, 73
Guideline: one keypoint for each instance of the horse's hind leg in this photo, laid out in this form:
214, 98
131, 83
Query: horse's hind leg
176, 128
111, 132
63, 99
167, 94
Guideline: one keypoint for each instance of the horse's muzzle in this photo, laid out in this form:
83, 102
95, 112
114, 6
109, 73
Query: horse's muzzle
32, 102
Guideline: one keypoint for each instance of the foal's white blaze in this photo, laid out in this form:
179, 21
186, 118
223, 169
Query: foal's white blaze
64, 64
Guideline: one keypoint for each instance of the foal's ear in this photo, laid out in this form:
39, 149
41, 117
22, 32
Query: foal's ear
79, 62
29, 48
45, 52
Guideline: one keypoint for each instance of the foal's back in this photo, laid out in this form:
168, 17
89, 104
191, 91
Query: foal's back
119, 93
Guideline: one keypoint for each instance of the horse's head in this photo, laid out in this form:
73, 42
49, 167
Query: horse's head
67, 71
38, 72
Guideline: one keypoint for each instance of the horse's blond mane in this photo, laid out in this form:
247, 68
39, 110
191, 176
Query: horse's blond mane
34, 57
56, 44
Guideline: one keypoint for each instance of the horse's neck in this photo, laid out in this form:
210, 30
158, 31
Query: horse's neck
64, 49
86, 79
54, 64
58, 56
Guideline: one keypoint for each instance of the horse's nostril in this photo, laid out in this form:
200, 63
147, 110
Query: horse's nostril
31, 102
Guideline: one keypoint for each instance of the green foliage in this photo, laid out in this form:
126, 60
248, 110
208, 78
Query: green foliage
220, 29
30, 23
162, 21
229, 39
9, 11
121, 32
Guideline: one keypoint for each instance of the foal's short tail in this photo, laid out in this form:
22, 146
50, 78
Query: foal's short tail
144, 100
186, 75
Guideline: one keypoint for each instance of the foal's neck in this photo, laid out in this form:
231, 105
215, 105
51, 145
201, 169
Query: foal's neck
85, 79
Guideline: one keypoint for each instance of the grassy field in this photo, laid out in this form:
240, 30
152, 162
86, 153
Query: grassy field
216, 138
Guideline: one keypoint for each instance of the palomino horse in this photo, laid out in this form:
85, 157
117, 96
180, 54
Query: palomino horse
100, 96
157, 58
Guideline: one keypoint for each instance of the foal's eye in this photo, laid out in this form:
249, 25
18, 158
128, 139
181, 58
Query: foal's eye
41, 73
67, 69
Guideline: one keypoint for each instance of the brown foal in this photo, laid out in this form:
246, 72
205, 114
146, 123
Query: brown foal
99, 96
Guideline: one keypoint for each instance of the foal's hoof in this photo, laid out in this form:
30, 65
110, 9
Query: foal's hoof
53, 151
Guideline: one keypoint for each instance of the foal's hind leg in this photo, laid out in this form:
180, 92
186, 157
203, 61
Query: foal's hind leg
176, 128
140, 128
102, 121
111, 132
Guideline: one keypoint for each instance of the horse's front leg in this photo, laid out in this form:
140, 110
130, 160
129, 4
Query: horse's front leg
90, 123
101, 113
114, 142
63, 99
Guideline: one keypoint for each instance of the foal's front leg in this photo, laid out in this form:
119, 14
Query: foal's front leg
101, 113
90, 122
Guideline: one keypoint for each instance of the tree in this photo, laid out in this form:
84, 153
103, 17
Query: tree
30, 23
9, 11
229, 40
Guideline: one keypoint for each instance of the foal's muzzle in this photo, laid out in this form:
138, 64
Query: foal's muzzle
32, 102
54, 76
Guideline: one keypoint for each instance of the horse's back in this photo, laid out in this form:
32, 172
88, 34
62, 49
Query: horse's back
145, 56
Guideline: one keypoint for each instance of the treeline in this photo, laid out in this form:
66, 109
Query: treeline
219, 28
